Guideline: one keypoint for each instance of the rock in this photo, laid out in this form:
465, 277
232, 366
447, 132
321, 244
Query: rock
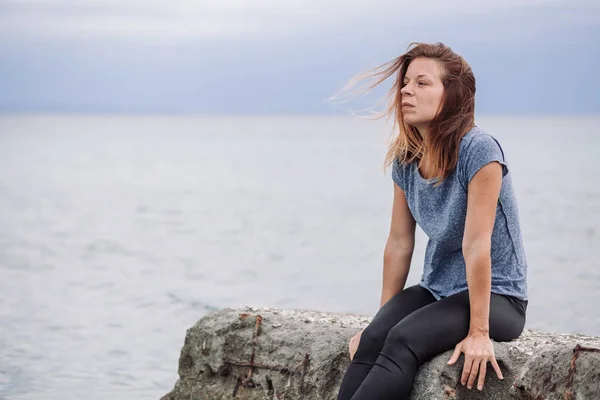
275, 354
560, 370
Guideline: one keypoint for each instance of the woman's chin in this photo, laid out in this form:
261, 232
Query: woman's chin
410, 121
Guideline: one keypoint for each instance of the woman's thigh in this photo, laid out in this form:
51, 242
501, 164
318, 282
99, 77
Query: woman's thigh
440, 326
395, 310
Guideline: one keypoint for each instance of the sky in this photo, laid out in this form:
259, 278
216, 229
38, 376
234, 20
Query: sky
286, 56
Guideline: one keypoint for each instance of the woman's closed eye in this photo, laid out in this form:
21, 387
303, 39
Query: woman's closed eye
419, 83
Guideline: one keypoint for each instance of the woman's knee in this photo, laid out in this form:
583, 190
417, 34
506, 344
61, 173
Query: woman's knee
507, 321
410, 342
398, 335
401, 345
371, 341
506, 329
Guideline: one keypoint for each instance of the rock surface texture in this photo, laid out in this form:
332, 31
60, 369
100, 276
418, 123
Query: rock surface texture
275, 354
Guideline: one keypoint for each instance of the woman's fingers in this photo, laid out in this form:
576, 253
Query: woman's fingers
496, 367
473, 375
482, 371
466, 370
455, 354
479, 351
353, 344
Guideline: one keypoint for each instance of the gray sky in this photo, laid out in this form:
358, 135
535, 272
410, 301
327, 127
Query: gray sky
267, 56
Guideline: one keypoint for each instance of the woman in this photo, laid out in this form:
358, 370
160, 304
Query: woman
452, 179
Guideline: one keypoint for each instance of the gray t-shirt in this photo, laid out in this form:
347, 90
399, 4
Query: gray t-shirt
441, 211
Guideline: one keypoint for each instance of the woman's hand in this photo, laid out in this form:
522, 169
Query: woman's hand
478, 349
353, 345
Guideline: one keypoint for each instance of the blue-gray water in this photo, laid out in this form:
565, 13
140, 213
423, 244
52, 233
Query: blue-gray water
117, 233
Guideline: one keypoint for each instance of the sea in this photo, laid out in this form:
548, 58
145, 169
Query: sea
119, 232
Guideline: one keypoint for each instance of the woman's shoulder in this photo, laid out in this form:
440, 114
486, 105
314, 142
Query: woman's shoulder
400, 170
477, 136
478, 148
478, 142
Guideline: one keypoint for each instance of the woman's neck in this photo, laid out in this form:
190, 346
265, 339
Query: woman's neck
423, 131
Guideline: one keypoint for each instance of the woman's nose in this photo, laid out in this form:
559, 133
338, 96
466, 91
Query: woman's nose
406, 89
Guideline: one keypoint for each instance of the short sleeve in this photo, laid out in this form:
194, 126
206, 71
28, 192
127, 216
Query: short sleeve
398, 173
482, 150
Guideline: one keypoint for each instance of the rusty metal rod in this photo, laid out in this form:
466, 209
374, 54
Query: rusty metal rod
254, 342
569, 394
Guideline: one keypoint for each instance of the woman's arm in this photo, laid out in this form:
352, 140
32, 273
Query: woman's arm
483, 193
396, 256
398, 248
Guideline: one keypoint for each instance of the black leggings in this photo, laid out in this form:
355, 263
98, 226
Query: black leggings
412, 328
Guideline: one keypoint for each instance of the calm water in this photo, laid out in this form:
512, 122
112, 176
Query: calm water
119, 233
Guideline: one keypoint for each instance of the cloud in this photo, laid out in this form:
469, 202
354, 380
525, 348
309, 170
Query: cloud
285, 56
213, 19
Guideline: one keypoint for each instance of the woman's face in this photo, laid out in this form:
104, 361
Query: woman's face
421, 92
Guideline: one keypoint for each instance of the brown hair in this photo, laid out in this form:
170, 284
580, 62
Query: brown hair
454, 119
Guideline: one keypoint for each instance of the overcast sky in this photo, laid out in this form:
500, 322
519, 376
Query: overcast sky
278, 56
